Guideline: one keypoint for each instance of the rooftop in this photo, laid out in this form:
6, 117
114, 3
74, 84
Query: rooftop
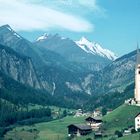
95, 118
81, 126
138, 115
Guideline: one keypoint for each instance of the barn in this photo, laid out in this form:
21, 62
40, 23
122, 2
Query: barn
79, 129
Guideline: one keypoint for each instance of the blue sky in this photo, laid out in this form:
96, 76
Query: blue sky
115, 24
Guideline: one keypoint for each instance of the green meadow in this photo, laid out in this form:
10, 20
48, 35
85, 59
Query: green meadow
54, 130
122, 117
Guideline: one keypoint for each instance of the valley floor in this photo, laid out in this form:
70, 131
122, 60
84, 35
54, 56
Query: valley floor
54, 130
120, 118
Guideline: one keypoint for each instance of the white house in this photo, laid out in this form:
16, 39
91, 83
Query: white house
137, 122
97, 113
78, 113
94, 122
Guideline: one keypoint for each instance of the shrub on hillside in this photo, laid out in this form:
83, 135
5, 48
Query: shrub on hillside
118, 133
133, 131
89, 139
112, 138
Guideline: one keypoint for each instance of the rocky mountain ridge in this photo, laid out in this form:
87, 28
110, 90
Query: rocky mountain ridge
52, 70
71, 52
95, 49
62, 68
117, 75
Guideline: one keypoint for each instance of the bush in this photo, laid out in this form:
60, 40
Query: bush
118, 133
105, 136
3, 131
112, 138
64, 113
89, 139
133, 131
104, 111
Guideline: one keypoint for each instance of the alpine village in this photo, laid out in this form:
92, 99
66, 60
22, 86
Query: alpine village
57, 82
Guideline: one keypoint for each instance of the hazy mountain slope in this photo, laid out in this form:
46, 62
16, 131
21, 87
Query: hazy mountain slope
55, 74
8, 37
18, 93
120, 73
63, 66
18, 67
116, 76
110, 100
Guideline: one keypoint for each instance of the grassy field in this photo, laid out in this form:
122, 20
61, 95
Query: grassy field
54, 130
21, 135
120, 118
131, 137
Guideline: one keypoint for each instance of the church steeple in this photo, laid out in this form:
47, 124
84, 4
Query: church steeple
137, 77
138, 56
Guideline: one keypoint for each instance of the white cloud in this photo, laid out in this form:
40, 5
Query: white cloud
28, 16
81, 7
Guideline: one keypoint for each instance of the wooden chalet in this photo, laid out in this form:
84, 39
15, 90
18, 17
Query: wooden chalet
94, 122
79, 129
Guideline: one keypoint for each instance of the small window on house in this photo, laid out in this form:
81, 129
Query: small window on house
139, 72
138, 120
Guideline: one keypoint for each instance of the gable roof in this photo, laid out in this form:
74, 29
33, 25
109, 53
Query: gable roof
138, 115
81, 126
94, 118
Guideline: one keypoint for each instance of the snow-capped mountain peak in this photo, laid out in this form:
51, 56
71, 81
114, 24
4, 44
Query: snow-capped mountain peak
7, 28
84, 40
46, 36
95, 48
43, 37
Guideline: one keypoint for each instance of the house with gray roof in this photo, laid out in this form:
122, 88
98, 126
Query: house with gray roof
78, 129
